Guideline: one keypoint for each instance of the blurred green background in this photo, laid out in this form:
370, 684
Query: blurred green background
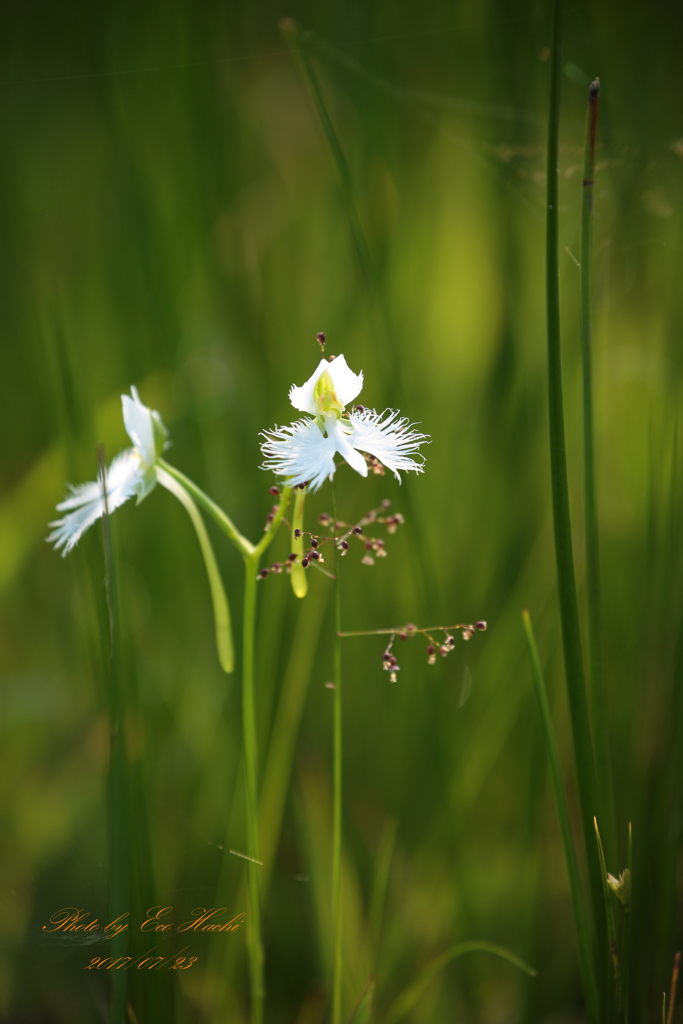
171, 216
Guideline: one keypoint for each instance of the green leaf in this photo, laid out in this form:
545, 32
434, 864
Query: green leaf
221, 609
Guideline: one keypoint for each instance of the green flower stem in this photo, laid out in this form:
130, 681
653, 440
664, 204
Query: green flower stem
251, 563
569, 612
204, 501
581, 921
252, 554
596, 674
337, 794
221, 609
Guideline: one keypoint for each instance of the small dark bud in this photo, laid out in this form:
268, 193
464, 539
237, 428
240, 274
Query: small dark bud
270, 517
302, 487
297, 533
450, 640
594, 90
386, 656
323, 519
357, 529
263, 573
304, 562
321, 337
360, 408
314, 542
403, 636
276, 567
274, 490
430, 649
344, 545
292, 557
480, 625
386, 503
315, 555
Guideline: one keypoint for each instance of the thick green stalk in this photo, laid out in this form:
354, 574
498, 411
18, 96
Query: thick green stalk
251, 564
596, 674
581, 921
337, 794
569, 612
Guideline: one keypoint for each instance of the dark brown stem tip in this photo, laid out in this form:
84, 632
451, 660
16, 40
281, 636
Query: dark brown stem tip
594, 90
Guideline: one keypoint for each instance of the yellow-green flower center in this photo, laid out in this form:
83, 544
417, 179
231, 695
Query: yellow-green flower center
325, 396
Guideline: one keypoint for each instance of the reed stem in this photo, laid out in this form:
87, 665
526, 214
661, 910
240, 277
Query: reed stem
569, 613
581, 921
596, 675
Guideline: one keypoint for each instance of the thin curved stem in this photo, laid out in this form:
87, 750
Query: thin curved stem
209, 505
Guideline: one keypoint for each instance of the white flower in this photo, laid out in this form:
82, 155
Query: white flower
132, 472
304, 451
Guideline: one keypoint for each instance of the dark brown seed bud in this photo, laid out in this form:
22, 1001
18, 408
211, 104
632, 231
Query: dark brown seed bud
480, 625
357, 529
263, 573
344, 545
314, 542
430, 649
403, 636
270, 517
368, 545
386, 656
274, 490
323, 519
304, 562
360, 408
292, 557
276, 567
297, 533
315, 555
321, 337
301, 486
450, 640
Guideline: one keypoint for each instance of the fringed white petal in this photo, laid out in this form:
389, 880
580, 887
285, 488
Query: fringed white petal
300, 452
85, 504
389, 438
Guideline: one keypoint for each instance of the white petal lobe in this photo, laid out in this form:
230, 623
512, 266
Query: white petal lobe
347, 384
302, 397
139, 426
